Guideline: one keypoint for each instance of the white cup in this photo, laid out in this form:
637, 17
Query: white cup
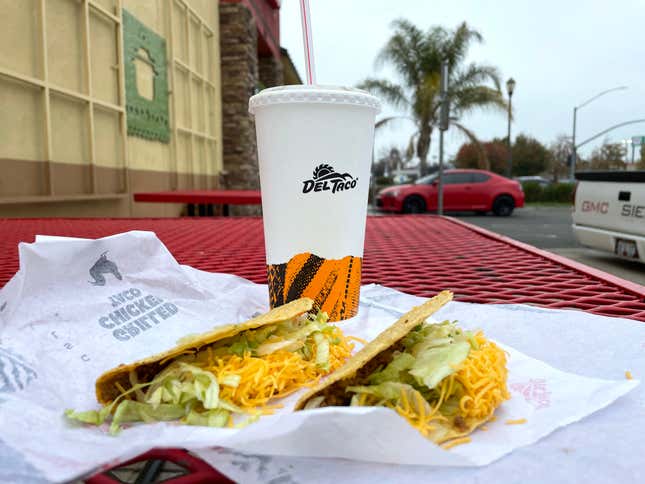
315, 150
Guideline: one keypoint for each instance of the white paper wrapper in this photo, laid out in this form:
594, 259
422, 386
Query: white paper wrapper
59, 329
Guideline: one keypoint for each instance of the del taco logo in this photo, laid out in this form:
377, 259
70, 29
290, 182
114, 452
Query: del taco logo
325, 179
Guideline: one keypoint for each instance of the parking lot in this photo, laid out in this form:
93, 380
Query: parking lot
544, 227
550, 228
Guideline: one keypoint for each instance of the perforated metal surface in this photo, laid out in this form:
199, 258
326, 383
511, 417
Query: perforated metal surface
416, 254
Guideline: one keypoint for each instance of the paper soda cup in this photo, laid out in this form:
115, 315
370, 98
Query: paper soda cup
315, 150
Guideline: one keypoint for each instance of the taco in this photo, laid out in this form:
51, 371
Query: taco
208, 379
443, 380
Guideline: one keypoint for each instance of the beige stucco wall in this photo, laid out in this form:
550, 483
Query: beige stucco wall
194, 84
62, 121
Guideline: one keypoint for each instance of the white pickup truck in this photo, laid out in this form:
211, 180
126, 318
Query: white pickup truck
609, 212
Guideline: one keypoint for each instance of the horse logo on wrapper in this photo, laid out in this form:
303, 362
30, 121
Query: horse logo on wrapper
101, 267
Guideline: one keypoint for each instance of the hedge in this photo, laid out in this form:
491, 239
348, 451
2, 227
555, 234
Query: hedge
557, 192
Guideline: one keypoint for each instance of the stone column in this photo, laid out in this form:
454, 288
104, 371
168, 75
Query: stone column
239, 58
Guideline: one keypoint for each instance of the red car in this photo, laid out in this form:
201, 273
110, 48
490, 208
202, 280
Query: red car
463, 190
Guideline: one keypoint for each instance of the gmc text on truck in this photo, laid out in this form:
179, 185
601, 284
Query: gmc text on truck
609, 212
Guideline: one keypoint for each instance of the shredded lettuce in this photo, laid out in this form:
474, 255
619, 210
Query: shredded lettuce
263, 333
392, 372
243, 345
210, 418
94, 417
180, 383
434, 364
289, 335
388, 390
271, 347
391, 393
186, 392
431, 353
98, 417
132, 411
230, 380
322, 351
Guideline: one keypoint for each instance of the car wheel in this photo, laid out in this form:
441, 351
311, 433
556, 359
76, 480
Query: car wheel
414, 205
503, 206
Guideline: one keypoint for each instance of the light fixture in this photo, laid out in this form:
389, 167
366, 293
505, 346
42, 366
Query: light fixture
510, 86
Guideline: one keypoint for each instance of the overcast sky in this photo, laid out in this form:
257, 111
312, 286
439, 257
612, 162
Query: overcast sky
560, 53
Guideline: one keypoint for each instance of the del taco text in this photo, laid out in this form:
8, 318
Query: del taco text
237, 369
443, 380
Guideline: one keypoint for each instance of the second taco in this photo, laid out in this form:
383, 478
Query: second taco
443, 380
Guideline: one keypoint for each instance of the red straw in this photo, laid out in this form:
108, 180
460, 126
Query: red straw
308, 43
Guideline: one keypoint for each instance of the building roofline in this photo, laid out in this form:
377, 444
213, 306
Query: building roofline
284, 54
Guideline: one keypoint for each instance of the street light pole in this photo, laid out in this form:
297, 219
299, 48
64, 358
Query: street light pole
510, 87
574, 154
444, 124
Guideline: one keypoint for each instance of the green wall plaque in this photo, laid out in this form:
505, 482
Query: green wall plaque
147, 115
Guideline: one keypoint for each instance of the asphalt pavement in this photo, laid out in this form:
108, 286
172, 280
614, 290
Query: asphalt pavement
544, 227
549, 228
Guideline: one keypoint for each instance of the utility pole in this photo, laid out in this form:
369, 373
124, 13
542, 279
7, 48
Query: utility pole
444, 124
510, 87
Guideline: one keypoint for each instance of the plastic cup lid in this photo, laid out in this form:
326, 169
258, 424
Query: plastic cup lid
313, 94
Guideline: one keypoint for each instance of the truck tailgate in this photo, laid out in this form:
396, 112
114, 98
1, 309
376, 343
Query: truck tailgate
611, 205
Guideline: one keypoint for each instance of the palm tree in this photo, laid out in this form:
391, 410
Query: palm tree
417, 57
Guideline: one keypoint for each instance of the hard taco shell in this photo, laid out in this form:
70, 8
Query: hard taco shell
377, 353
107, 390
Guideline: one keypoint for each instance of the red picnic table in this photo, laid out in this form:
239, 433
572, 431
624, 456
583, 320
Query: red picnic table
203, 199
420, 255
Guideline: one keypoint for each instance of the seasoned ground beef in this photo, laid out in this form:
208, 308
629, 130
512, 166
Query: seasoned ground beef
336, 396
460, 424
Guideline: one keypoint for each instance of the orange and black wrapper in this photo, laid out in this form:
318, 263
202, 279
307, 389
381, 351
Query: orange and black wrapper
333, 284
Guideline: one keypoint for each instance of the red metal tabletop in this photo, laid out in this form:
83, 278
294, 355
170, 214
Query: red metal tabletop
416, 254
226, 197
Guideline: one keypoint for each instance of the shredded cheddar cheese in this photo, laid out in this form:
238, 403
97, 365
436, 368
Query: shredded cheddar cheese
455, 442
483, 377
417, 411
628, 375
479, 384
356, 338
518, 421
274, 375
414, 408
